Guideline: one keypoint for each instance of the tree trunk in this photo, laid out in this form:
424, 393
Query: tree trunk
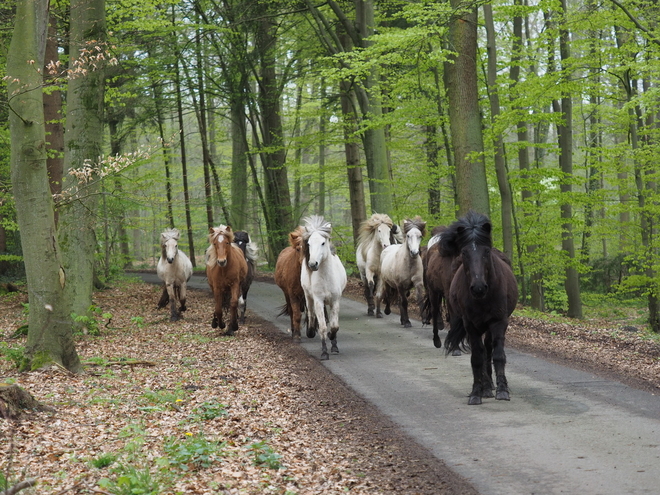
278, 198
565, 134
464, 116
83, 146
49, 333
498, 143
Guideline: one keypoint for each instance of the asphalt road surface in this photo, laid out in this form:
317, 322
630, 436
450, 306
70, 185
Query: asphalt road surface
564, 431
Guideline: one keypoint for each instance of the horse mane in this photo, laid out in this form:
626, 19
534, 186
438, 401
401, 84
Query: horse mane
315, 223
415, 223
214, 232
169, 234
250, 249
472, 228
369, 226
296, 238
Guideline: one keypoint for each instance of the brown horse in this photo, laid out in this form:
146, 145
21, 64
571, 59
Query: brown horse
226, 269
249, 248
482, 296
287, 278
439, 269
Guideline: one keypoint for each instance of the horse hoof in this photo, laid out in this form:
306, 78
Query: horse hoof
370, 312
487, 394
502, 395
334, 349
474, 400
457, 353
325, 356
182, 309
222, 324
175, 318
378, 315
387, 311
407, 325
214, 323
296, 339
311, 333
437, 342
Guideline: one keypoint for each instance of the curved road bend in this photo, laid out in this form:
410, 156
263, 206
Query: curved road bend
564, 431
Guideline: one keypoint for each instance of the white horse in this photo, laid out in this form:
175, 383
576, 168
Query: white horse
401, 269
175, 269
376, 233
323, 279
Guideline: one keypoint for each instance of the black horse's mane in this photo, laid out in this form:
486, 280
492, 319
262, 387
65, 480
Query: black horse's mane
472, 228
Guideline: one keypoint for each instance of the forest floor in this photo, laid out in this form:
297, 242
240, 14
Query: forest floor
172, 408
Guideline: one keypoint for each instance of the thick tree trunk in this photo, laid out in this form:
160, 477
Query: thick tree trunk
83, 146
49, 334
464, 116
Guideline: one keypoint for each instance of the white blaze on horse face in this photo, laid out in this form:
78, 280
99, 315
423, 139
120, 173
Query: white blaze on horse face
221, 250
383, 235
414, 239
317, 247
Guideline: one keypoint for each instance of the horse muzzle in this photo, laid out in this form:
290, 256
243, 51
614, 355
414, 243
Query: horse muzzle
479, 291
222, 263
313, 266
170, 260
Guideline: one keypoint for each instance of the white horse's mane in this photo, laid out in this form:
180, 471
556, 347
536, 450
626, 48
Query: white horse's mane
316, 223
169, 234
370, 226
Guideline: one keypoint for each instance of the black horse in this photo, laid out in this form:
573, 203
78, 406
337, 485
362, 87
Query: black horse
482, 296
242, 239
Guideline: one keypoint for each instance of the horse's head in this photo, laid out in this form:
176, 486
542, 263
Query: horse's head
220, 239
414, 230
383, 233
169, 244
316, 241
474, 239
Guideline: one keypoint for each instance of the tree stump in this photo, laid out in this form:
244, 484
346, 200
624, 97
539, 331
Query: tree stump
14, 401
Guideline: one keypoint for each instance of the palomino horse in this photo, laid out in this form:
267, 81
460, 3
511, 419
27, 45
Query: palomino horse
226, 269
287, 278
401, 270
376, 234
174, 269
482, 296
249, 248
323, 278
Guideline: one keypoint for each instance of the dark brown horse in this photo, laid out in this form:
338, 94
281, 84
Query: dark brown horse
226, 269
439, 269
287, 278
482, 296
249, 248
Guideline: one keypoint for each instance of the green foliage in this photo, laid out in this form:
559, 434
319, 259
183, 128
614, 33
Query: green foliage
130, 480
14, 354
104, 460
194, 452
89, 324
138, 321
210, 410
264, 455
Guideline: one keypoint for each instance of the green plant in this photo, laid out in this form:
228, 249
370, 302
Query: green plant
138, 321
264, 455
104, 460
195, 452
210, 410
13, 354
131, 481
89, 324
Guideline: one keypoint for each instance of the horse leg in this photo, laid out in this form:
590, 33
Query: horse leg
379, 296
369, 286
334, 326
477, 361
488, 366
435, 300
312, 320
319, 309
499, 361
217, 312
403, 307
233, 309
242, 306
174, 313
388, 299
182, 297
164, 298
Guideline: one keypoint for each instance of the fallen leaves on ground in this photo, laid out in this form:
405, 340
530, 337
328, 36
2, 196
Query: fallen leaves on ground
175, 408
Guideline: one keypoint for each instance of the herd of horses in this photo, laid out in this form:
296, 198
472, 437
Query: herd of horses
459, 273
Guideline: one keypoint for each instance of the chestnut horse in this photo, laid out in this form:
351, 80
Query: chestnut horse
287, 278
249, 248
482, 296
226, 269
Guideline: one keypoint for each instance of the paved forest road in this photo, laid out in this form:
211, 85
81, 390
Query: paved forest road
564, 431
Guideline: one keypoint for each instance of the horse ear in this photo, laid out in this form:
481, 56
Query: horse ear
488, 227
395, 229
211, 230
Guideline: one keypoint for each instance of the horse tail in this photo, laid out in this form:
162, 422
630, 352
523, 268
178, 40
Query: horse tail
425, 311
456, 337
283, 310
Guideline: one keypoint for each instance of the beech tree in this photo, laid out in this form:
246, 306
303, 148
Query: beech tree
50, 336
